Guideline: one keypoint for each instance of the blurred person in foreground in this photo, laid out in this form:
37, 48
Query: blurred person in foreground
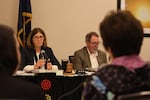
89, 57
10, 87
32, 56
122, 36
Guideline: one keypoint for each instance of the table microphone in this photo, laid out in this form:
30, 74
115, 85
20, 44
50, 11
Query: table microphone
43, 56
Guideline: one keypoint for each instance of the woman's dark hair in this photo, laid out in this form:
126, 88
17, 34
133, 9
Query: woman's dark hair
8, 51
122, 33
30, 38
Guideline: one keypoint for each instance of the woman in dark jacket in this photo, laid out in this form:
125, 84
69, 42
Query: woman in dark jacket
37, 54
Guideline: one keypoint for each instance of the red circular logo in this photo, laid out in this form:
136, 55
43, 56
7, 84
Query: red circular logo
46, 84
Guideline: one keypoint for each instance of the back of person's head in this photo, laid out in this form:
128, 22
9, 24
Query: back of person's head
8, 52
32, 34
89, 35
122, 33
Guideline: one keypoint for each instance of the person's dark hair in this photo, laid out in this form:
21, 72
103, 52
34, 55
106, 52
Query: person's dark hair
8, 51
34, 32
89, 35
122, 33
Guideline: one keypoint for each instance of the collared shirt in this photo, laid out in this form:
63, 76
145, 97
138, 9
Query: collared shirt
34, 58
93, 59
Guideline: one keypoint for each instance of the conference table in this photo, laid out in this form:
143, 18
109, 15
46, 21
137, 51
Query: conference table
55, 84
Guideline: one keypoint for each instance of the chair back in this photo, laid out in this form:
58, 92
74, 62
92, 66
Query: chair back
71, 58
144, 95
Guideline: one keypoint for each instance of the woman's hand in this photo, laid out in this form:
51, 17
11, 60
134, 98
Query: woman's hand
40, 63
49, 66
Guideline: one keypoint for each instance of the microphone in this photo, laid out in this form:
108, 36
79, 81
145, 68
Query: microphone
43, 55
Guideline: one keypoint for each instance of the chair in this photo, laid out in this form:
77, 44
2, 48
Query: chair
144, 95
71, 58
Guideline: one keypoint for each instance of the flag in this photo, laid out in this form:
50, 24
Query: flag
24, 21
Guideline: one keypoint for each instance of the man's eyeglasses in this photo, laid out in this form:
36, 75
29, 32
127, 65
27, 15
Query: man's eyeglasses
38, 37
94, 43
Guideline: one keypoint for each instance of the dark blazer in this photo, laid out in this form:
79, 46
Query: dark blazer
82, 59
28, 55
15, 89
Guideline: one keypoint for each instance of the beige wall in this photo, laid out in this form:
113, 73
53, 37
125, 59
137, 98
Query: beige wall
65, 21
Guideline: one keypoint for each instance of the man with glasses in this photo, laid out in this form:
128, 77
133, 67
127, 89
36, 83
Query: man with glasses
89, 57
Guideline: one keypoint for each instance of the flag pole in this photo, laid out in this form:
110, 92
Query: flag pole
24, 32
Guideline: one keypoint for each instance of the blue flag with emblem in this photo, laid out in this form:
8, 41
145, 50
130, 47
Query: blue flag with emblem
24, 21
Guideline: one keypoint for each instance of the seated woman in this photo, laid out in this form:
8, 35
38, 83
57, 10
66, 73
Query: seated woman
122, 36
36, 47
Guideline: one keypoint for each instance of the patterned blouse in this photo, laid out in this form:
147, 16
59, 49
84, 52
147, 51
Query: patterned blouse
114, 80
